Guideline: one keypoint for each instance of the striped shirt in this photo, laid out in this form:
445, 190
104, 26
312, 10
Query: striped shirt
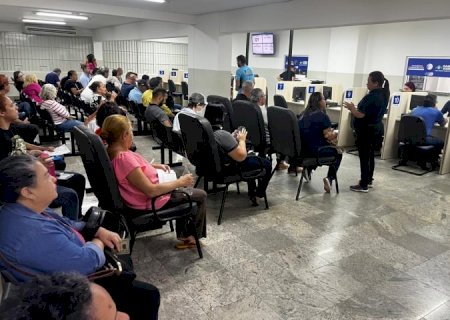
58, 112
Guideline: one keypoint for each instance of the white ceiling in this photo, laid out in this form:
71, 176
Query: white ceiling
104, 13
187, 6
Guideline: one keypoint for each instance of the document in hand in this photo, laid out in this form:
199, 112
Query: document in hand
165, 176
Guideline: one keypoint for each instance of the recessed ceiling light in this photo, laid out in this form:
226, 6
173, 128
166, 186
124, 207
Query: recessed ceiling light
61, 23
157, 1
61, 15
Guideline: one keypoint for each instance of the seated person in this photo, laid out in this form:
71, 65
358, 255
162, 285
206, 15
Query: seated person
53, 77
31, 88
35, 240
446, 109
72, 85
154, 111
247, 88
101, 75
70, 191
128, 84
136, 93
233, 148
18, 80
61, 117
315, 132
196, 105
409, 87
431, 115
26, 111
105, 110
168, 105
60, 296
138, 180
147, 96
258, 97
288, 75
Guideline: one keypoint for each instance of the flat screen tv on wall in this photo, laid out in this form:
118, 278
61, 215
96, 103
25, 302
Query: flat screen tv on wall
263, 43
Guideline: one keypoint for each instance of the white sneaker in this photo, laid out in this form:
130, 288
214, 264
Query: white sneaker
326, 185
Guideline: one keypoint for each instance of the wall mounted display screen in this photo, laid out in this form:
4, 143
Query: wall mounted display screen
430, 74
263, 43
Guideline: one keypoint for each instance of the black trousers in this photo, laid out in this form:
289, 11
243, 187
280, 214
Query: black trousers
78, 183
367, 140
138, 299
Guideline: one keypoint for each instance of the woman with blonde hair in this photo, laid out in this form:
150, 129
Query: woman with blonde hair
138, 180
32, 88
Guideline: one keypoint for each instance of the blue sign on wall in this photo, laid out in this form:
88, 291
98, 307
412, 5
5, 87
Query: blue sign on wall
280, 86
348, 94
428, 67
186, 75
396, 100
161, 72
300, 63
311, 89
173, 74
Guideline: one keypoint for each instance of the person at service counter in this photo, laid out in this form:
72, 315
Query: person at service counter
409, 87
368, 125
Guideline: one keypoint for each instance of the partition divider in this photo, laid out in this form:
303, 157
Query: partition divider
345, 134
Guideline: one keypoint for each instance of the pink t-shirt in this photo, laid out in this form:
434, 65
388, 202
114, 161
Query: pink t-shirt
123, 164
32, 91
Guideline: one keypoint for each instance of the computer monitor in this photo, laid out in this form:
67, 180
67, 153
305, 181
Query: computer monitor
298, 93
416, 100
327, 92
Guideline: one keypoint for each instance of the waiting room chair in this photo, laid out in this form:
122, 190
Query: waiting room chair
185, 90
286, 140
249, 115
280, 101
412, 145
228, 124
202, 151
173, 90
101, 176
138, 110
167, 139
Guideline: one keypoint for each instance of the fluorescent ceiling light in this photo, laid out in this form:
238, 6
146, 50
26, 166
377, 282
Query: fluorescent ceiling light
61, 15
61, 23
157, 1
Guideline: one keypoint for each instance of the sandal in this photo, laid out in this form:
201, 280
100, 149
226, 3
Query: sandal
185, 245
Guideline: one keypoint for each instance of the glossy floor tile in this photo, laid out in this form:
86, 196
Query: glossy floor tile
380, 255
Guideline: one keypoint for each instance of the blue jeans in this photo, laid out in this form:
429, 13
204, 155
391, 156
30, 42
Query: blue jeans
68, 125
68, 201
27, 108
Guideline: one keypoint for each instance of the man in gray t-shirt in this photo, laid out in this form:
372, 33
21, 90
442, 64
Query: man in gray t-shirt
154, 112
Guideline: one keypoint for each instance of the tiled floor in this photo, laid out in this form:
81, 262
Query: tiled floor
381, 255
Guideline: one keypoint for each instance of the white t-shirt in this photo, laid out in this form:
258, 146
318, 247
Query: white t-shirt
87, 94
176, 122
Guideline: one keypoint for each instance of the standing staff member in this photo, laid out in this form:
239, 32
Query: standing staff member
368, 117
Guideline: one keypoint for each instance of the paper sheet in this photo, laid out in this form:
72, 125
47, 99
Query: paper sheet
60, 151
164, 176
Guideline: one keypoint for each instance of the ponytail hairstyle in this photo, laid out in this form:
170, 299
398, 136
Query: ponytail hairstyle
377, 76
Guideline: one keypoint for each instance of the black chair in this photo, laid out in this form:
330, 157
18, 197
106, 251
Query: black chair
249, 115
202, 151
412, 146
280, 101
185, 90
173, 90
167, 139
228, 124
101, 176
138, 111
286, 139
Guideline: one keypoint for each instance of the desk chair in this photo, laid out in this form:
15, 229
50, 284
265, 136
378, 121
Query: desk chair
102, 178
412, 145
249, 115
202, 151
173, 90
185, 90
286, 139
280, 101
228, 124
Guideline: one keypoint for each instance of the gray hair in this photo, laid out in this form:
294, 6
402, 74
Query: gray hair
247, 85
16, 173
256, 94
48, 92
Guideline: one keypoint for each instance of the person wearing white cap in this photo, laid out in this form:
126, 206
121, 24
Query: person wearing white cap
196, 105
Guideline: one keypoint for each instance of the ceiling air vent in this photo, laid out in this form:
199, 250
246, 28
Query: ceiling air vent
63, 31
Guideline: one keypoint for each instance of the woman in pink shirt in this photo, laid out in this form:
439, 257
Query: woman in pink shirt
138, 179
31, 88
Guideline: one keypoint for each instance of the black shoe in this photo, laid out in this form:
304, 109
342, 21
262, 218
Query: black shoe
358, 188
369, 185
254, 201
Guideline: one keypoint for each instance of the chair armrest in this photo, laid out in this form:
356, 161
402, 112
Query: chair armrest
155, 211
254, 173
327, 154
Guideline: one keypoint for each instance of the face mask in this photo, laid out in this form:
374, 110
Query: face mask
200, 112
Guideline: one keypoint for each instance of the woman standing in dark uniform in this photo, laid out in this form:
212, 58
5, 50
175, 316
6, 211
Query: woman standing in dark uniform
368, 117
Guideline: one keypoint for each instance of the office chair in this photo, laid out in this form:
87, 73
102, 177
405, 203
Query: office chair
102, 178
280, 101
228, 124
185, 90
412, 145
173, 90
202, 151
249, 115
286, 140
